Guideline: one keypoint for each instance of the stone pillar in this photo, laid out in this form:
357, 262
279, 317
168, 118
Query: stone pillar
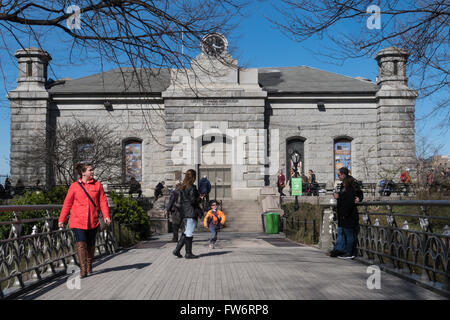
29, 104
395, 115
326, 229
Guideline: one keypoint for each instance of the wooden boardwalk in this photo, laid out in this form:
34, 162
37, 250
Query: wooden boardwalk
244, 267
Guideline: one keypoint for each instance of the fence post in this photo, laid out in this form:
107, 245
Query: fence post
314, 230
326, 229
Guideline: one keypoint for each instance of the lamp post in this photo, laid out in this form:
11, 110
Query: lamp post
295, 157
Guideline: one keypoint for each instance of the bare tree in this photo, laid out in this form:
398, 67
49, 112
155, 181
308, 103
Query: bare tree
425, 150
421, 27
155, 34
61, 147
143, 36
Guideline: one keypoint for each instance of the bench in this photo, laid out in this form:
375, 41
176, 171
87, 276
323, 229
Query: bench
403, 188
119, 187
370, 188
122, 188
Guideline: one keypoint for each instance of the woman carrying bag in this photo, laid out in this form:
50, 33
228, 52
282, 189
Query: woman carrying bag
190, 200
83, 200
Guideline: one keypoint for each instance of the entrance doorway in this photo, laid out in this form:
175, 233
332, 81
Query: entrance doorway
215, 164
294, 144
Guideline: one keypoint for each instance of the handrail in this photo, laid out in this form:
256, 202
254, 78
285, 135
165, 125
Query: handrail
395, 203
26, 260
421, 255
33, 207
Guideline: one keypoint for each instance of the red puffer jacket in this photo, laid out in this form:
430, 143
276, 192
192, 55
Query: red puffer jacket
83, 214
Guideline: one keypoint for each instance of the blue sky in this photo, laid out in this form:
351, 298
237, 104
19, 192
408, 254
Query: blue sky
258, 44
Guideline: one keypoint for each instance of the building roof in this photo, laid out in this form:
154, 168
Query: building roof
120, 80
300, 79
307, 79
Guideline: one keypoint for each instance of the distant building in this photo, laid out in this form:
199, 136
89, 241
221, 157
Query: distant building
330, 119
438, 162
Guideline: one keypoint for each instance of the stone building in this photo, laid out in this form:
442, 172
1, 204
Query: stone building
237, 126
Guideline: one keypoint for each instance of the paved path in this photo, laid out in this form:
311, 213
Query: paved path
244, 267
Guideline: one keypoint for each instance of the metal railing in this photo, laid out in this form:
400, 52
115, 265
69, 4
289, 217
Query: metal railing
413, 246
294, 224
36, 250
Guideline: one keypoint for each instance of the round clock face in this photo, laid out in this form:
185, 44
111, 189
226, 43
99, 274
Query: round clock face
213, 44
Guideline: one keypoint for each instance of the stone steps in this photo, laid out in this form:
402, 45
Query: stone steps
242, 216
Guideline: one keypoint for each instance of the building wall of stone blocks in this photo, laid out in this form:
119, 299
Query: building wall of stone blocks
145, 122
395, 131
320, 129
28, 120
245, 115
380, 125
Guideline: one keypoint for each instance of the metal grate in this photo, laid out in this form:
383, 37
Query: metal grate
277, 242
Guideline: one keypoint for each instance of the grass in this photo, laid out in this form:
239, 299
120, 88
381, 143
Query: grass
295, 227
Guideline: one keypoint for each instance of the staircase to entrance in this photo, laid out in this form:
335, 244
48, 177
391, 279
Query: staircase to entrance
242, 215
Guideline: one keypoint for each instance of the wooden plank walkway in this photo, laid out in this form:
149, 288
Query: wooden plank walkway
244, 267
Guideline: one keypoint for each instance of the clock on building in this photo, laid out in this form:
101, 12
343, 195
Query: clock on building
214, 44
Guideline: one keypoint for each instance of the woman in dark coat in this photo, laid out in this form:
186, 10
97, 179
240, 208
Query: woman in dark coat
281, 182
190, 209
347, 215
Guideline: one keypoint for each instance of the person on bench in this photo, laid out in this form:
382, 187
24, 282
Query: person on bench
135, 187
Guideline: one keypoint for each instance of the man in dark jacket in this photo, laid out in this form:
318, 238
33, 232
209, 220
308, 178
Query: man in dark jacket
175, 213
135, 187
347, 215
158, 190
204, 187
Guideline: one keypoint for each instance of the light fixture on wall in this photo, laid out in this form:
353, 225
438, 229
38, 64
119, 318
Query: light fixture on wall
108, 105
320, 106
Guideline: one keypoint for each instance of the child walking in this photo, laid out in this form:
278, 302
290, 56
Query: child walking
214, 220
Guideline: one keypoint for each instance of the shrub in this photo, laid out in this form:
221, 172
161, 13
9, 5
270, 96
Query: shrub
295, 226
128, 213
54, 196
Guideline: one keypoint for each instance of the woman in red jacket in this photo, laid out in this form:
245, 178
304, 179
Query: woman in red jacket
83, 214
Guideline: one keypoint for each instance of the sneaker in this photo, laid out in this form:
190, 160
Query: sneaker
346, 256
211, 246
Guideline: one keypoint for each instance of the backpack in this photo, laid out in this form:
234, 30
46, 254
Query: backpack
177, 203
403, 177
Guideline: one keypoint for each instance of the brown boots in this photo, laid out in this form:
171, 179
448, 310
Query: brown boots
82, 257
85, 257
90, 257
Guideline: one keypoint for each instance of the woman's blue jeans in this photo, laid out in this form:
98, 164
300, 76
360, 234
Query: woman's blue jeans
345, 240
191, 224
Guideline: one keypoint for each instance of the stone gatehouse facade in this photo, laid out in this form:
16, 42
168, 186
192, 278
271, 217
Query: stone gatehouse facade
237, 126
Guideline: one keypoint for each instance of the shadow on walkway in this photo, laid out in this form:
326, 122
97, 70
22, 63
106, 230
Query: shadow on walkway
219, 253
120, 268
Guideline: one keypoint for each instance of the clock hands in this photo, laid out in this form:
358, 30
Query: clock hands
214, 44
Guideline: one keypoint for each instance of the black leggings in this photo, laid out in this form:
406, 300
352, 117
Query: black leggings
87, 236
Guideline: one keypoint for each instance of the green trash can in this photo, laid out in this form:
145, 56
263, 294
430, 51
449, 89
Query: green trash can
272, 222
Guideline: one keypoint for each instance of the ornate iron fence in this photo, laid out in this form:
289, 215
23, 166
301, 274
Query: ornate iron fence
31, 255
414, 246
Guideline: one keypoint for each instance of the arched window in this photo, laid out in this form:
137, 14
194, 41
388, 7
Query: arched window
132, 151
295, 144
342, 154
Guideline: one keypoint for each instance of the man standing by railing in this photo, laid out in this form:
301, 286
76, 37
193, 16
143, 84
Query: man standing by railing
347, 196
